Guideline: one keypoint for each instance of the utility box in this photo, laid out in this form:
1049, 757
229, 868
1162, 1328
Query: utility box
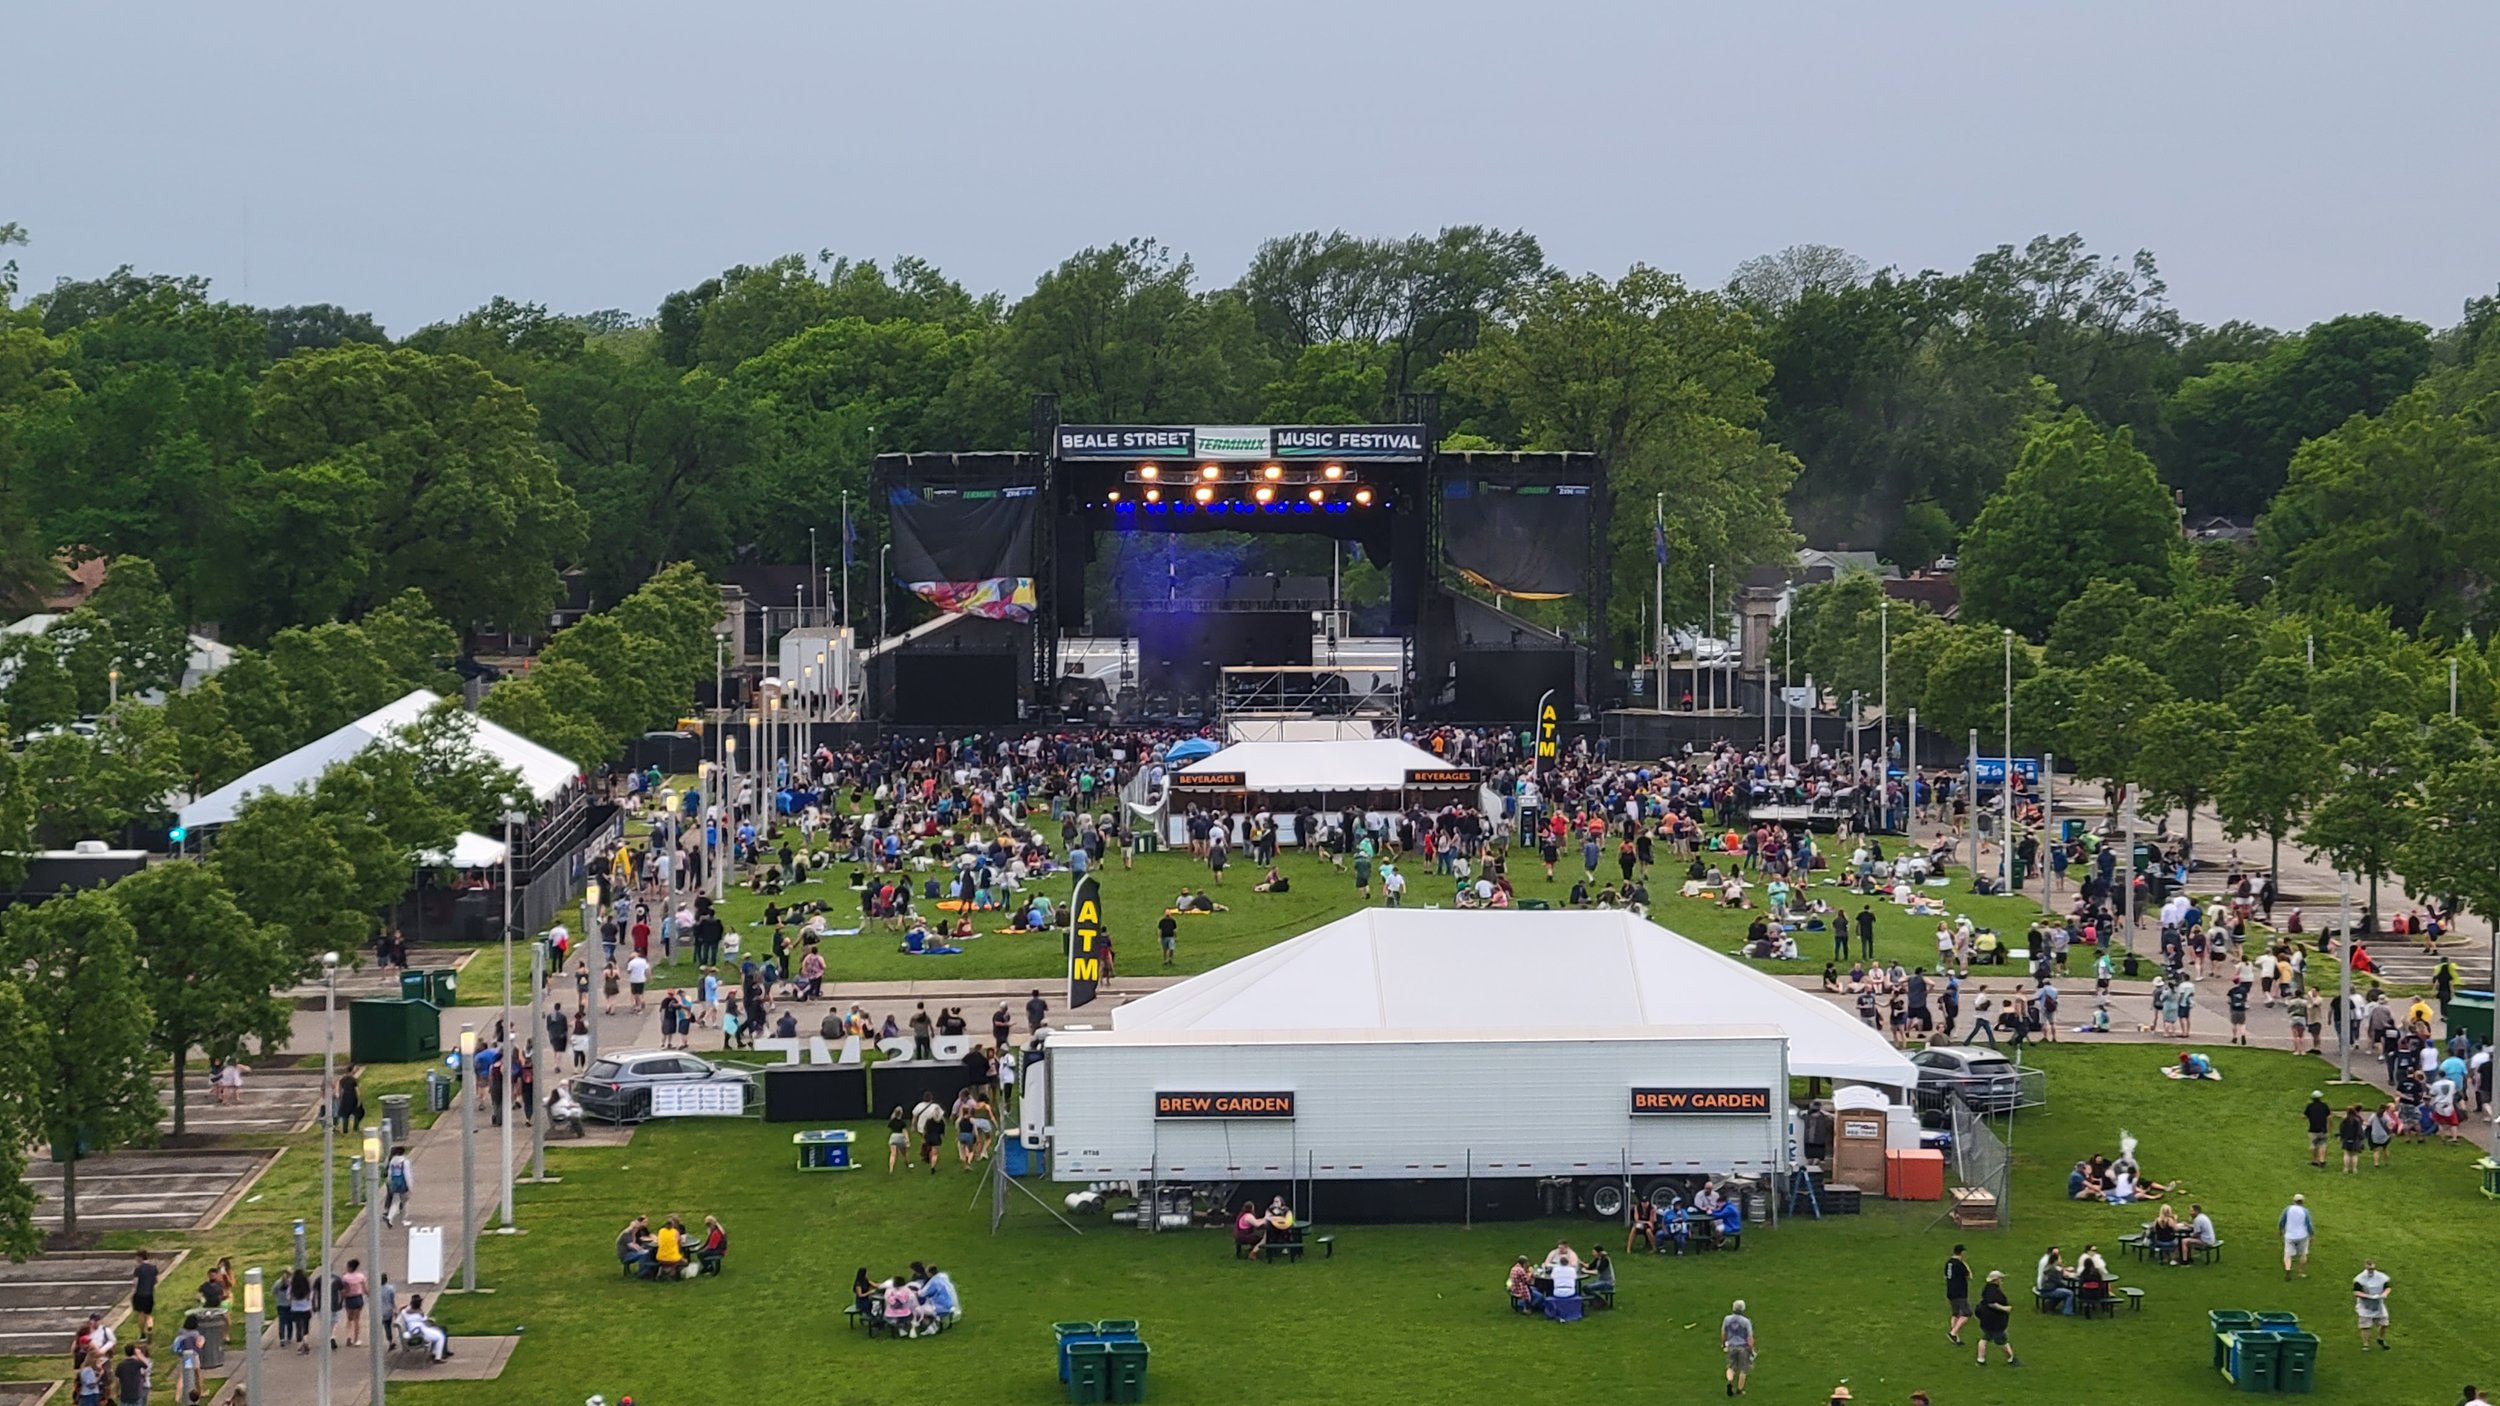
393, 1032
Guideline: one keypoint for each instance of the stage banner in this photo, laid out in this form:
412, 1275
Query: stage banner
967, 551
1125, 442
1084, 943
1375, 442
1523, 534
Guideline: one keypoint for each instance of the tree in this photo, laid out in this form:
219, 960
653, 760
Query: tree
17, 820
2455, 846
40, 692
2371, 804
212, 750
20, 1125
209, 972
1772, 283
308, 871
1394, 306
2277, 767
316, 327
2079, 507
85, 1035
2185, 749
129, 624
2106, 739
1965, 686
1117, 334
2234, 428
465, 504
2095, 623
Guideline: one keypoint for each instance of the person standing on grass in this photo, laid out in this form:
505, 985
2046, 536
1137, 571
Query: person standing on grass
1996, 1314
1956, 1294
1736, 1339
1168, 929
1866, 932
2299, 1228
2319, 1115
2370, 1289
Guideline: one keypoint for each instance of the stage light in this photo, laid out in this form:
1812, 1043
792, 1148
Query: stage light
1265, 493
1334, 471
1318, 496
1275, 471
1361, 495
1205, 494
1115, 496
1154, 495
1149, 472
1209, 471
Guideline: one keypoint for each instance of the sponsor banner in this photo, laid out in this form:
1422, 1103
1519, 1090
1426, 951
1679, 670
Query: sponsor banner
1548, 734
1350, 442
1275, 1104
709, 1099
1674, 1101
1125, 442
1231, 441
1208, 780
1442, 776
1217, 443
1085, 944
1991, 770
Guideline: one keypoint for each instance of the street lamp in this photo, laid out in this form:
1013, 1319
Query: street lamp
511, 819
252, 1306
589, 995
728, 857
373, 1242
329, 1152
468, 1159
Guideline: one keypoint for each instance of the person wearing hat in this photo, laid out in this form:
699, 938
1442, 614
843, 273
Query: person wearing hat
1840, 1393
2321, 1115
2299, 1227
1996, 1314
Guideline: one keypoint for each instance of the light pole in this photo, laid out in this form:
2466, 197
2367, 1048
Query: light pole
2126, 814
252, 1306
1711, 611
1909, 821
538, 1053
2005, 791
2343, 984
113, 687
2048, 828
1970, 801
591, 994
512, 818
329, 1159
885, 593
468, 1159
1883, 685
373, 1246
728, 819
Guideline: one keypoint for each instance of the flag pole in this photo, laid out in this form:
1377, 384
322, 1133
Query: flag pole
1659, 528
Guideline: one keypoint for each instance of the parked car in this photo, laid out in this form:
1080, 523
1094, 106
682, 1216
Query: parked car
1985, 1079
617, 1086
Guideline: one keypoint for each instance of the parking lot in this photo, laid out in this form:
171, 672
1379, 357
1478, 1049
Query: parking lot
44, 1302
144, 1190
274, 1101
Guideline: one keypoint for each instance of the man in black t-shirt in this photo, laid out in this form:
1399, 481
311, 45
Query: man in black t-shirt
1957, 1293
143, 1294
131, 1377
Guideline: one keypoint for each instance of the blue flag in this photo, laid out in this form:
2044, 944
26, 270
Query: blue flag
850, 538
1658, 536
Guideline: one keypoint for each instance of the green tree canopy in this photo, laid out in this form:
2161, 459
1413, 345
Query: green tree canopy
210, 974
85, 1035
2079, 507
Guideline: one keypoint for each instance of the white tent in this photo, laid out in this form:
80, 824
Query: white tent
543, 772
470, 851
1365, 764
1463, 974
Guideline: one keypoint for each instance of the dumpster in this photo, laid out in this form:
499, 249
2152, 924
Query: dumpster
393, 1032
2296, 1362
2469, 1012
437, 1092
1089, 1372
443, 987
395, 1120
1128, 1371
1070, 1333
212, 1323
2252, 1360
412, 986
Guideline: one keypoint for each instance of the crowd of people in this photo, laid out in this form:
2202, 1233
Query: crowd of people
908, 1305
668, 1250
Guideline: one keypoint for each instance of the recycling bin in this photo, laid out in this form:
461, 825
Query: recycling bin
2296, 1362
1089, 1373
1128, 1371
442, 985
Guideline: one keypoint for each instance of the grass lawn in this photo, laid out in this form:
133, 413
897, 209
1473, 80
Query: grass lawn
1406, 1314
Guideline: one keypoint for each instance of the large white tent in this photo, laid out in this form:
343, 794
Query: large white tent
545, 773
1344, 766
1482, 974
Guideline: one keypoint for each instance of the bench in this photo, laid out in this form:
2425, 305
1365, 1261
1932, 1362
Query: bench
2208, 1253
2135, 1299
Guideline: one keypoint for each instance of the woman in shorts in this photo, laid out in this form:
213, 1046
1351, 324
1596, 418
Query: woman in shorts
964, 1135
897, 1138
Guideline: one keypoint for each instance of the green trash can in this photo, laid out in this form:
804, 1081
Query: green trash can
1116, 1330
442, 985
1128, 1371
2224, 1322
1089, 1373
2278, 1322
412, 987
1067, 1334
2469, 1013
2296, 1362
2253, 1360
393, 1032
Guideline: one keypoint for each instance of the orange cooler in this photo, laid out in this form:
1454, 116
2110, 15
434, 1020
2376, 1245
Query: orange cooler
1914, 1175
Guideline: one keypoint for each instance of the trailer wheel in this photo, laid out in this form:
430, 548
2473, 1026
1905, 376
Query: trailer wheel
1661, 1192
1605, 1199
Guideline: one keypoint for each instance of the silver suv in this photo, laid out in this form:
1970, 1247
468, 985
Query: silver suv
617, 1086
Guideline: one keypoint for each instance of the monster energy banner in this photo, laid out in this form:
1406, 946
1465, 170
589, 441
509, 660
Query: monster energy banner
1085, 943
967, 551
1374, 443
1517, 531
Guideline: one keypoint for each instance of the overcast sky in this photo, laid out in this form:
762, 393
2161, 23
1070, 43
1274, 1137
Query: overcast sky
2286, 162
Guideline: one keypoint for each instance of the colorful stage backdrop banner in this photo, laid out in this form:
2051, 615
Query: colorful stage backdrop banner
968, 551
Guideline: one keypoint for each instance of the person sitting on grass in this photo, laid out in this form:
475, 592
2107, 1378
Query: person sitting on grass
1275, 882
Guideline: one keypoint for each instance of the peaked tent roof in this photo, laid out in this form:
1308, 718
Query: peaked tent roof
545, 773
1351, 764
1479, 973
